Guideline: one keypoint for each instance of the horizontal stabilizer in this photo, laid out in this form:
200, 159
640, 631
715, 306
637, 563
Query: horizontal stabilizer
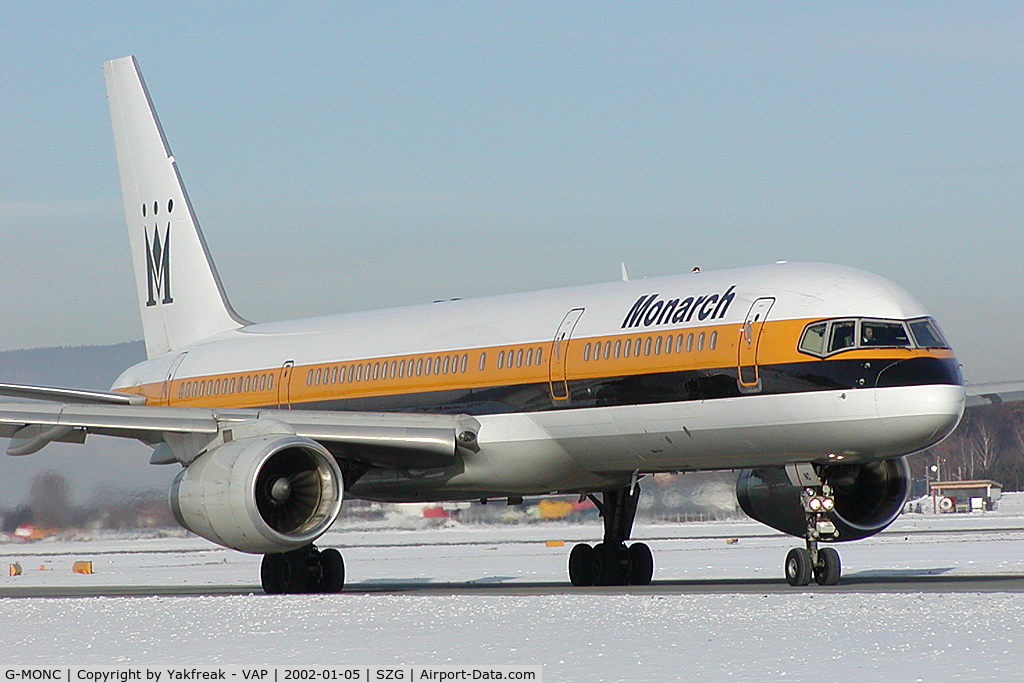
69, 395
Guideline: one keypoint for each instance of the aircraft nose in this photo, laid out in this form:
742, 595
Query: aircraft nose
922, 415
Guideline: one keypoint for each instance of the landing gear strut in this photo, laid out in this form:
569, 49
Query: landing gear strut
611, 562
817, 501
306, 570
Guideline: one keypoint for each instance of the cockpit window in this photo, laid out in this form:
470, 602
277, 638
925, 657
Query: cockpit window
826, 337
841, 336
874, 333
813, 340
927, 335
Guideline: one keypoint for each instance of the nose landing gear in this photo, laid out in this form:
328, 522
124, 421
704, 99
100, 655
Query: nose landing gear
817, 501
612, 562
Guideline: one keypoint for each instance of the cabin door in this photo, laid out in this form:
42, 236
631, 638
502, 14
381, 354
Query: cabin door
557, 366
748, 377
284, 387
165, 392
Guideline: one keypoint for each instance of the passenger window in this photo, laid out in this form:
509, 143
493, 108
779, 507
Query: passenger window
679, 344
713, 341
625, 348
657, 346
263, 382
465, 362
891, 334
216, 388
586, 352
447, 364
668, 344
538, 355
376, 370
181, 390
270, 381
700, 341
437, 365
359, 372
248, 382
419, 367
689, 342
501, 359
529, 356
841, 336
319, 372
813, 339
394, 365
618, 347
309, 378
483, 361
202, 388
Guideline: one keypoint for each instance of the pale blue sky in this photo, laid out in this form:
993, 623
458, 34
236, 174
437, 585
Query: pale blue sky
343, 156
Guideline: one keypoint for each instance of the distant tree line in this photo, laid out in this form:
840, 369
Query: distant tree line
987, 444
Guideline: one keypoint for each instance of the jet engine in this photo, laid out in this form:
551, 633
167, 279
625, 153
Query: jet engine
868, 497
266, 494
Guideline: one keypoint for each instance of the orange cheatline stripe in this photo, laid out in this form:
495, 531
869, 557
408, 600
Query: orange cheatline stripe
777, 344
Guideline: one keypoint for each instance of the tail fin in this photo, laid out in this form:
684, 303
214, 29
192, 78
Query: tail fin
180, 294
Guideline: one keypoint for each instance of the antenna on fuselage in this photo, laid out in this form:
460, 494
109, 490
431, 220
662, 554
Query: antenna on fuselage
625, 275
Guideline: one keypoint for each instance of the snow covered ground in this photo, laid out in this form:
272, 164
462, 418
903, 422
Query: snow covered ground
811, 634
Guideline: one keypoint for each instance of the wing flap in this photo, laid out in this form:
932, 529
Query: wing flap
403, 440
994, 392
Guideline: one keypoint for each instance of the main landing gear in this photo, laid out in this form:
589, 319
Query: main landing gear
821, 563
306, 570
611, 562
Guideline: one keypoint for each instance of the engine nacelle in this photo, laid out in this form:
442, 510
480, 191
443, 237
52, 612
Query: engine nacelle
868, 497
266, 494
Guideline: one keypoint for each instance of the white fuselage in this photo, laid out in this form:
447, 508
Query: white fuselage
580, 420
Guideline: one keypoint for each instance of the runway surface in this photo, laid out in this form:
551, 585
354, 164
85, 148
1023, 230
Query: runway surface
726, 558
932, 596
995, 583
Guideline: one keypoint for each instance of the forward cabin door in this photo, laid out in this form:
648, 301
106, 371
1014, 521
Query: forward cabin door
557, 366
748, 377
165, 392
284, 398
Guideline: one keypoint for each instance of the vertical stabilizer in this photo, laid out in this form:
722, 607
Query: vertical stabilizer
180, 294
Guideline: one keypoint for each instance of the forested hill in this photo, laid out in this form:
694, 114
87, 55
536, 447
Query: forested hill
76, 367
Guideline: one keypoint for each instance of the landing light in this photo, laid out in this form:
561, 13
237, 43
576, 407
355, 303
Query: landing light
828, 504
814, 504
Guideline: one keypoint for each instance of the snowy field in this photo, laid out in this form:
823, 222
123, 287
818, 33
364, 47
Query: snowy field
611, 634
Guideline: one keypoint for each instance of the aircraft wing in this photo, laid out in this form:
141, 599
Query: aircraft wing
995, 392
405, 440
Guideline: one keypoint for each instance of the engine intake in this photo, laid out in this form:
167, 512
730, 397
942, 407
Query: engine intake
267, 494
868, 497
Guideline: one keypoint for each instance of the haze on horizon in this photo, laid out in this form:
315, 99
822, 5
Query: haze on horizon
351, 156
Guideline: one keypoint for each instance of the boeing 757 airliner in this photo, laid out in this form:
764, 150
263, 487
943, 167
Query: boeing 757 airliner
814, 380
